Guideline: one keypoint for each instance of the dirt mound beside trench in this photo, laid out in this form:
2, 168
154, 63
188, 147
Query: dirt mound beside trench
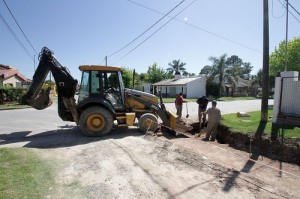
285, 150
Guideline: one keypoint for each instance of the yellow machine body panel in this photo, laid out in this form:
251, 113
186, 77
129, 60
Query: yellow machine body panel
99, 68
172, 118
133, 104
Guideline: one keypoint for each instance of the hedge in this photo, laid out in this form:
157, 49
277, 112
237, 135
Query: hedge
8, 94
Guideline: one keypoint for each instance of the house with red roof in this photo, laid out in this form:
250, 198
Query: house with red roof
10, 77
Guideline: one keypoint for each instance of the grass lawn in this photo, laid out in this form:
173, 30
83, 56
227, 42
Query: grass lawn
251, 124
235, 98
23, 175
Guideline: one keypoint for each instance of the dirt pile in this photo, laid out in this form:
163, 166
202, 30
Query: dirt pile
286, 150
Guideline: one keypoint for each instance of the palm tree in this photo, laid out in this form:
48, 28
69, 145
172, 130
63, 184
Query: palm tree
176, 66
256, 80
218, 67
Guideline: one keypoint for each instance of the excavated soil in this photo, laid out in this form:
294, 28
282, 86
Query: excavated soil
286, 150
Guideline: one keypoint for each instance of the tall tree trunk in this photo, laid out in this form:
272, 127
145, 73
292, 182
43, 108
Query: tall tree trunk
265, 75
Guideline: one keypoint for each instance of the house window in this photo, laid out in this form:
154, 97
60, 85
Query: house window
9, 85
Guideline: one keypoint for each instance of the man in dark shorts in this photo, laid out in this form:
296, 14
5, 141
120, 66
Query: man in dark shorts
202, 101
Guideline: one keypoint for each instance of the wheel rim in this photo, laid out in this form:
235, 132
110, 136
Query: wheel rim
95, 122
148, 124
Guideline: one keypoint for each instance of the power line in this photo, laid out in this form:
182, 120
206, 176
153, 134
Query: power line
293, 7
147, 29
197, 27
20, 27
290, 11
16, 37
273, 11
156, 30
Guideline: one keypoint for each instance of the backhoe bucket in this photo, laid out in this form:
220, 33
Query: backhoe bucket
43, 100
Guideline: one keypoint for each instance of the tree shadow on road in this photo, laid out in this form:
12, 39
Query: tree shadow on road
260, 129
65, 136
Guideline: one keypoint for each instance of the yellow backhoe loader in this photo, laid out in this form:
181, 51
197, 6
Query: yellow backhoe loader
102, 99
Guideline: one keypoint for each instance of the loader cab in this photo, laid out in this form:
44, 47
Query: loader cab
102, 82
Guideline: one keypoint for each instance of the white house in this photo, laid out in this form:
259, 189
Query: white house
190, 87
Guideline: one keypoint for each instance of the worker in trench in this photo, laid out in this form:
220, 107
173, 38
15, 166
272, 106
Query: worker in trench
202, 102
214, 117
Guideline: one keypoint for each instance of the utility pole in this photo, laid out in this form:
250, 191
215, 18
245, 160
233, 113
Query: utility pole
265, 75
133, 78
286, 35
105, 60
34, 62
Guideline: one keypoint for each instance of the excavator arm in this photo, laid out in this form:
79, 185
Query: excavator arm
65, 84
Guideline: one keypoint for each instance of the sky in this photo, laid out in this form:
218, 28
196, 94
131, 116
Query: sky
84, 32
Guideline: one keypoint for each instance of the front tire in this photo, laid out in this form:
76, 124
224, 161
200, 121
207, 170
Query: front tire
148, 122
96, 121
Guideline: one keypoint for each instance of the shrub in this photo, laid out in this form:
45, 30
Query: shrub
8, 94
212, 89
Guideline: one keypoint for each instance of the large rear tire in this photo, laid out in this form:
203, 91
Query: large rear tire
96, 121
149, 122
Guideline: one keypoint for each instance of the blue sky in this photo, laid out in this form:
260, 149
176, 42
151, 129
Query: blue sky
85, 31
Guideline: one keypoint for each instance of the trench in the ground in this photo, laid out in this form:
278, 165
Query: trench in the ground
285, 150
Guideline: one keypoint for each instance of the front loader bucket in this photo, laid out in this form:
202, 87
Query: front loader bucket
43, 100
177, 124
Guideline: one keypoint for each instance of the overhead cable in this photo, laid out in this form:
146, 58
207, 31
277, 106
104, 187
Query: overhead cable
293, 8
273, 12
197, 27
16, 37
20, 27
156, 30
289, 11
147, 29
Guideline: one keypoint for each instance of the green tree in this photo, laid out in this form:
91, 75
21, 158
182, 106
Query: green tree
50, 82
176, 66
206, 70
218, 68
277, 58
156, 74
127, 76
231, 67
257, 78
237, 68
234, 61
144, 77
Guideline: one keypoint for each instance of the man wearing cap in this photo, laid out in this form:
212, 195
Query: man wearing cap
214, 117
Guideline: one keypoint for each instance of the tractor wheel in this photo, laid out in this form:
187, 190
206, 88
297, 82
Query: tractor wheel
149, 122
96, 121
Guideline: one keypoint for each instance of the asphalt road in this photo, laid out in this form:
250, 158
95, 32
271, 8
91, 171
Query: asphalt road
31, 121
225, 107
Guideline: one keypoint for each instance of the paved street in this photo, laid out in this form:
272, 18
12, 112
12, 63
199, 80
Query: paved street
36, 121
225, 106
